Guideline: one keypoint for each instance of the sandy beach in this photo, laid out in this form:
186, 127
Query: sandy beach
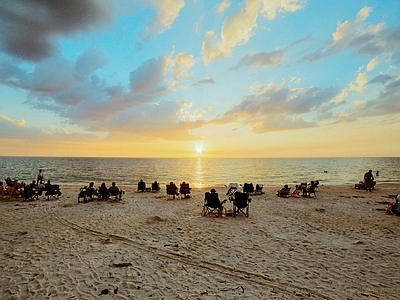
339, 245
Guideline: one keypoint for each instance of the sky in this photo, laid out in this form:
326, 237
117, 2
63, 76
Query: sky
209, 78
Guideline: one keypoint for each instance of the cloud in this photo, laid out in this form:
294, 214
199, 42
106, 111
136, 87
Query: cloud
74, 91
223, 6
372, 40
30, 28
167, 12
262, 59
204, 81
238, 28
18, 129
273, 108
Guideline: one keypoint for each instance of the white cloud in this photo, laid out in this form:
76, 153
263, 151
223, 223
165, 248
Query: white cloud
238, 28
223, 6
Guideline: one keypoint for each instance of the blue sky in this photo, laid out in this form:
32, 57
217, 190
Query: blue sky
281, 78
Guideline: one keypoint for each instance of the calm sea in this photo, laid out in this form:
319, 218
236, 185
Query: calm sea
199, 172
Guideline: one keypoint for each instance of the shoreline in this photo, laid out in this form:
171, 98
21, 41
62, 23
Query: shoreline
338, 245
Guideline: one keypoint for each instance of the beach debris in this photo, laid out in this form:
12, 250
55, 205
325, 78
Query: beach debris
321, 210
104, 292
122, 265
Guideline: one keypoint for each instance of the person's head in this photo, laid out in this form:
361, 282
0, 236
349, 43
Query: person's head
113, 183
141, 180
103, 184
370, 171
33, 182
312, 182
212, 191
91, 184
171, 182
285, 186
48, 181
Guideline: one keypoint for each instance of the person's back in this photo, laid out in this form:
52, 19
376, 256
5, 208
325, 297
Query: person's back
141, 186
155, 187
103, 191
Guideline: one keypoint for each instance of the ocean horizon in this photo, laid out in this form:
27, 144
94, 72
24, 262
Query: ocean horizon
200, 172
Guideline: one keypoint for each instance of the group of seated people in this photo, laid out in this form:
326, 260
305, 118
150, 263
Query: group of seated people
305, 188
17, 189
102, 193
184, 189
155, 187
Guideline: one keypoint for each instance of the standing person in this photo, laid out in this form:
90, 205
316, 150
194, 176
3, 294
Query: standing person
40, 176
369, 181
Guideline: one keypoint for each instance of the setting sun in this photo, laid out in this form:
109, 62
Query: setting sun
199, 149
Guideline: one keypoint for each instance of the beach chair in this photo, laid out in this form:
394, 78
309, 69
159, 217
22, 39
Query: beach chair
284, 192
259, 189
87, 193
241, 202
115, 194
248, 188
172, 190
184, 190
30, 193
53, 191
212, 205
307, 192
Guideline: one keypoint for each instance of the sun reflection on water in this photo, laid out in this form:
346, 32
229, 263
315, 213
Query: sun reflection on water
198, 178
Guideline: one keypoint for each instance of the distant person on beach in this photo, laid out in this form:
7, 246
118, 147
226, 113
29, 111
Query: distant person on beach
114, 190
1, 188
141, 186
103, 191
377, 173
40, 176
369, 180
155, 187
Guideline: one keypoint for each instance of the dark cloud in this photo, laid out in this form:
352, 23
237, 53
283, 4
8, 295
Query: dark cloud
204, 81
380, 79
29, 28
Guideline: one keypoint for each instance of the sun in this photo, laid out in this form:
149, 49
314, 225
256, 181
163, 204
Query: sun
199, 149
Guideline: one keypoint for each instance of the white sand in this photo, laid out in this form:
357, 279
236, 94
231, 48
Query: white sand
336, 246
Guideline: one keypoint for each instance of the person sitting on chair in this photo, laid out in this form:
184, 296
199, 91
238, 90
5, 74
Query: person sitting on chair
91, 190
284, 191
307, 188
114, 190
155, 187
141, 186
103, 191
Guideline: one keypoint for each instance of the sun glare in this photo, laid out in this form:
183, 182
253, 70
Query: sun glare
199, 149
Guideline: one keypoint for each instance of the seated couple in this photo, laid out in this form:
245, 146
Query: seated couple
112, 191
155, 187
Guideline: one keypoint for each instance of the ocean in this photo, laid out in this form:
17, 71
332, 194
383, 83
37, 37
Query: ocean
200, 172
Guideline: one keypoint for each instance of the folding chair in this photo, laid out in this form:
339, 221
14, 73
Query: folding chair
212, 205
172, 190
185, 190
248, 188
53, 191
241, 204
